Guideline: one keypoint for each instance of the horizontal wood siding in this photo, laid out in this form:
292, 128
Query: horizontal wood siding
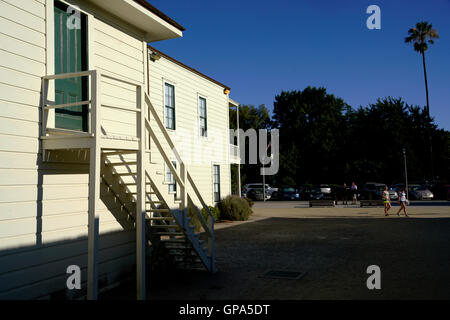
121, 54
199, 153
44, 205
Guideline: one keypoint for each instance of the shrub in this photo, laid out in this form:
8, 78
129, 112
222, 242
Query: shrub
234, 208
214, 211
195, 221
250, 202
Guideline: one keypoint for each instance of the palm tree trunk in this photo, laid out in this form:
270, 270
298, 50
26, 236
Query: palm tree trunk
426, 82
428, 113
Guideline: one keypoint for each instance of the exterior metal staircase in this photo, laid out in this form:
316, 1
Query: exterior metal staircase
120, 163
170, 232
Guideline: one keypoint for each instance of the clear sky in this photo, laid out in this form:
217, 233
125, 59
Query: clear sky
260, 48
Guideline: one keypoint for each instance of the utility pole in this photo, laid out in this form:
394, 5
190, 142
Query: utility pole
406, 173
264, 182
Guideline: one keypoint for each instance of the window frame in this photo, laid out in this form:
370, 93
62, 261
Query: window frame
214, 183
165, 107
170, 182
200, 118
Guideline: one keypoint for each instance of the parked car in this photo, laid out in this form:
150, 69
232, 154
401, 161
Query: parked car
418, 192
325, 188
393, 194
439, 190
251, 186
311, 193
373, 191
285, 193
257, 194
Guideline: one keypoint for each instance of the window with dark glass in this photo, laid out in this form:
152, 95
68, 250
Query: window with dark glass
170, 178
169, 101
202, 115
216, 182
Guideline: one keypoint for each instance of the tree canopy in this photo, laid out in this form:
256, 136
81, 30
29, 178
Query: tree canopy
324, 140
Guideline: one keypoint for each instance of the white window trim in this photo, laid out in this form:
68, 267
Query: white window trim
199, 95
212, 181
165, 182
50, 48
172, 83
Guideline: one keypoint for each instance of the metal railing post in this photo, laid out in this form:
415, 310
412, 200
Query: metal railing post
94, 190
140, 203
183, 194
211, 251
45, 112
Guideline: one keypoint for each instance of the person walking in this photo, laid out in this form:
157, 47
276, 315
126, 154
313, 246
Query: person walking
344, 194
402, 201
354, 189
386, 200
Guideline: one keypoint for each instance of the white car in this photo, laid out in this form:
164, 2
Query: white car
325, 189
416, 191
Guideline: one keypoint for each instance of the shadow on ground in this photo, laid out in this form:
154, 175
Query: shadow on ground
413, 254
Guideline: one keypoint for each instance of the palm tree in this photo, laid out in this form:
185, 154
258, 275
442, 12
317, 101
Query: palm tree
422, 35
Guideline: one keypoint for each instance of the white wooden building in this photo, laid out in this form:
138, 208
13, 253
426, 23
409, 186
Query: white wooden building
104, 145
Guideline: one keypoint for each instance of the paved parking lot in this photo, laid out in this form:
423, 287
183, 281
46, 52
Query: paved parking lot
332, 246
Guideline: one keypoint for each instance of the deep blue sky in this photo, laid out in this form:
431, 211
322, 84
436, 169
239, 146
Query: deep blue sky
259, 48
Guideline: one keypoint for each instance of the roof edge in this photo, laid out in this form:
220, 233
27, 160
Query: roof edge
181, 64
160, 14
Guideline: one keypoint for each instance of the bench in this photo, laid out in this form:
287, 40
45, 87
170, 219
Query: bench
371, 203
321, 203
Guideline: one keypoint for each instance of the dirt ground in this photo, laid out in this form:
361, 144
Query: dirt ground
332, 247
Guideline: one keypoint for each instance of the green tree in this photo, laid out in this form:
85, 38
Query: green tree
312, 126
250, 117
377, 134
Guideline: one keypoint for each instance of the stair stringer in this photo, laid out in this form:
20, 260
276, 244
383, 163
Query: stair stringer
182, 220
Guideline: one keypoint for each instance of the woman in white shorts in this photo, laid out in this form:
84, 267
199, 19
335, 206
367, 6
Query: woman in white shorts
402, 201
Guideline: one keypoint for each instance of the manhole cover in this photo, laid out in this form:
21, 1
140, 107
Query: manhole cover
283, 274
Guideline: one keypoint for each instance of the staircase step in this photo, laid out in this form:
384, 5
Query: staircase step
118, 153
122, 174
168, 233
196, 262
158, 210
161, 218
174, 241
159, 226
122, 163
131, 183
180, 253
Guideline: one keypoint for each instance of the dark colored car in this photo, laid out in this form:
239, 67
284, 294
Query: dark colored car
312, 193
372, 191
285, 193
257, 195
440, 190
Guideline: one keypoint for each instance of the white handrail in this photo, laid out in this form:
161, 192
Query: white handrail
182, 165
69, 75
95, 76
67, 105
